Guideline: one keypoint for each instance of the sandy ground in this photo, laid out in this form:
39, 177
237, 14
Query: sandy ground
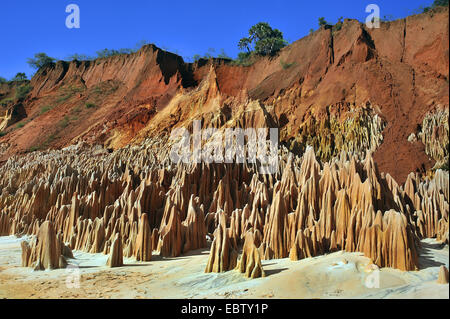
337, 275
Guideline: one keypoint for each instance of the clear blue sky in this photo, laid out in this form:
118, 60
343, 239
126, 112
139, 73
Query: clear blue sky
183, 27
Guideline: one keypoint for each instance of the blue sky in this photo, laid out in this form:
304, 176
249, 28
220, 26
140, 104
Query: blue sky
184, 27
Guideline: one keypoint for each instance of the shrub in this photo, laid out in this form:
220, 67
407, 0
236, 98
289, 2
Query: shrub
2, 80
22, 92
338, 25
6, 101
322, 22
90, 105
64, 122
436, 3
40, 60
20, 125
45, 109
68, 92
285, 65
223, 55
19, 77
76, 110
244, 59
3, 134
106, 53
63, 98
79, 57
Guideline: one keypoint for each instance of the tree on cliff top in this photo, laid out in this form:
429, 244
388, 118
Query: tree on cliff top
264, 39
40, 60
440, 3
19, 77
436, 3
322, 22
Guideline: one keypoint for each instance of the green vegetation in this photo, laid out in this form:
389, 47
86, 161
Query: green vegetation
40, 60
7, 101
3, 134
20, 125
45, 109
33, 149
436, 3
19, 77
264, 40
322, 22
67, 92
210, 55
105, 88
106, 53
338, 25
76, 110
2, 80
285, 65
64, 122
90, 105
245, 59
80, 57
63, 98
22, 92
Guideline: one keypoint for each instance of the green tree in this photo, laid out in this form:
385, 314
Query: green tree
223, 55
40, 60
265, 40
19, 77
436, 3
245, 44
79, 57
322, 21
2, 80
440, 3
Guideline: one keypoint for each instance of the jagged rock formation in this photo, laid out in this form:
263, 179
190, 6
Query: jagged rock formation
306, 209
359, 131
434, 134
223, 256
144, 245
46, 251
250, 260
443, 275
116, 256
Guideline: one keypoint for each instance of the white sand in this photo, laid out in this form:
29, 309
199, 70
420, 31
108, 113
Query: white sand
337, 275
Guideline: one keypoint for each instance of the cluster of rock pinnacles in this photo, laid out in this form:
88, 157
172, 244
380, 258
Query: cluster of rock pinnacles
135, 202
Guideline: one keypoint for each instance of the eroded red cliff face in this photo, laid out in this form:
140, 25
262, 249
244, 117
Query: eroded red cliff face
391, 78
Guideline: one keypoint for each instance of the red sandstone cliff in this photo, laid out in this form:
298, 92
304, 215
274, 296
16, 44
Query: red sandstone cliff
311, 91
